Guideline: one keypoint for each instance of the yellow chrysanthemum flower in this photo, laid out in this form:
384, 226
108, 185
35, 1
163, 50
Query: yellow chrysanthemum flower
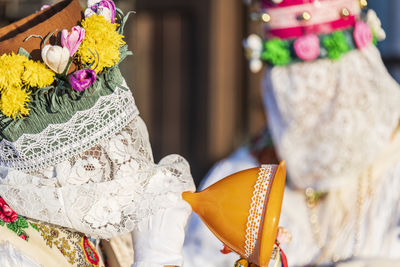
14, 103
11, 69
36, 74
102, 43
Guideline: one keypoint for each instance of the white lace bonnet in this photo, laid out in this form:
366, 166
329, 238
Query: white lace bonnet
330, 102
52, 118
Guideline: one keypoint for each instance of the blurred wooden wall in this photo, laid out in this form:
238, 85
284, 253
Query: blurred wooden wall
12, 10
190, 78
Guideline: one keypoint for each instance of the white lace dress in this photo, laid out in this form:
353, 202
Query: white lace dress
94, 174
333, 122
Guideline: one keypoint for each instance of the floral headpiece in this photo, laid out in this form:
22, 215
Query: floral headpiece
82, 58
305, 30
58, 89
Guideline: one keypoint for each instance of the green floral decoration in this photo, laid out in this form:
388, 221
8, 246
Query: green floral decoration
336, 45
34, 226
276, 52
374, 38
18, 227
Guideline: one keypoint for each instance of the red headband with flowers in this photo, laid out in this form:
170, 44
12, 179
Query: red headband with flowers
294, 18
305, 30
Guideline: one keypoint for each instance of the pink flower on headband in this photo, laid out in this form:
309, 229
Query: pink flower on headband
307, 47
82, 79
362, 34
72, 40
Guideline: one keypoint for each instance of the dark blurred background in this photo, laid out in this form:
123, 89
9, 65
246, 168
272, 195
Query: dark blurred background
189, 76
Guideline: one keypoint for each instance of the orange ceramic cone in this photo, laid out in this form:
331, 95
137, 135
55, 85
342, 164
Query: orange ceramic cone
243, 210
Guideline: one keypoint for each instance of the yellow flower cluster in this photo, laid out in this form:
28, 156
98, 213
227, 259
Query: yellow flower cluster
11, 70
37, 75
102, 43
18, 75
14, 103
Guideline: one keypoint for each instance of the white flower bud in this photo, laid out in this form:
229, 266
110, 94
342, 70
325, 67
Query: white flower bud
55, 57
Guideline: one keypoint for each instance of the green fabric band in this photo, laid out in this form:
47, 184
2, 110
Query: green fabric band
57, 104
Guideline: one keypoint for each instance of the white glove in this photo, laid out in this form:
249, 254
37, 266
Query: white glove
159, 240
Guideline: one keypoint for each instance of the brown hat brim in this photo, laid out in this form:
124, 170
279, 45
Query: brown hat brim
63, 15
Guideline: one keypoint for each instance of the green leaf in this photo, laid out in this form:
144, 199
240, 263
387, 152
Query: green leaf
374, 38
65, 72
48, 37
23, 52
276, 52
34, 227
22, 223
119, 14
124, 52
2, 223
96, 59
336, 45
13, 227
123, 22
33, 35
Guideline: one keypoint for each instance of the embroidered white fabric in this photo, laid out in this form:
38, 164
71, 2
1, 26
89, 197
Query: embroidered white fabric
104, 191
11, 257
329, 119
59, 142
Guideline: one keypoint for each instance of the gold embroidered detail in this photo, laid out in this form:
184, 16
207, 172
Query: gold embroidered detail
68, 243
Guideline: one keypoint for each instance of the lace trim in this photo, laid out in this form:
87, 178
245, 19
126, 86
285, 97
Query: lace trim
260, 195
59, 142
103, 192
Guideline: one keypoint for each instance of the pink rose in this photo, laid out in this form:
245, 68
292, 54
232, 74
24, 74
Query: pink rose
23, 236
6, 213
307, 47
362, 34
72, 40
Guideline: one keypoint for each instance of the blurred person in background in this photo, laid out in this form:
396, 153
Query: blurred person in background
333, 114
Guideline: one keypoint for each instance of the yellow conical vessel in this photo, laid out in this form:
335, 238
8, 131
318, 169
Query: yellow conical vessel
243, 210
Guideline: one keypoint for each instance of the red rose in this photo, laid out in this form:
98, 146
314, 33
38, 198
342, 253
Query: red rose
6, 213
23, 236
